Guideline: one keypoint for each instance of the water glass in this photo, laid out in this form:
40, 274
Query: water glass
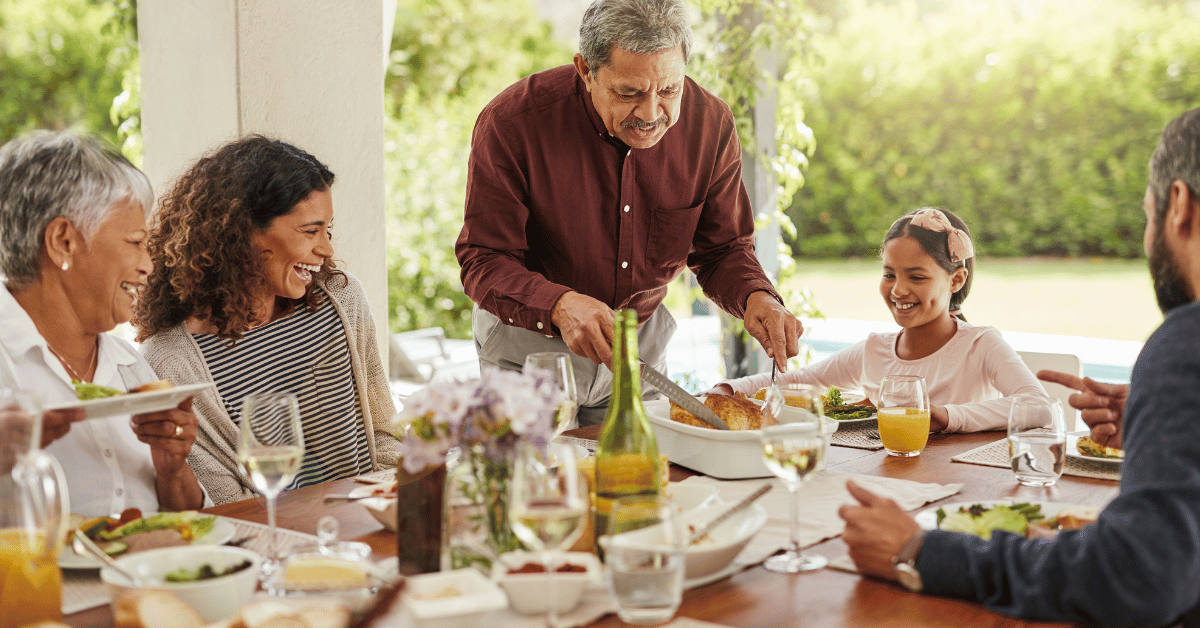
1037, 440
557, 366
903, 414
644, 559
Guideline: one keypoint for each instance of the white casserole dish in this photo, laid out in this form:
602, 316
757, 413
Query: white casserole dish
722, 454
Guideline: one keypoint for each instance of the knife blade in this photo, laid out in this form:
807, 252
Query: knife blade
664, 385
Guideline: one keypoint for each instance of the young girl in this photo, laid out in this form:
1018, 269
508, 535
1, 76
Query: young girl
972, 374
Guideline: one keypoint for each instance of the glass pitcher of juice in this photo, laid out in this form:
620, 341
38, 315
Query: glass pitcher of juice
33, 516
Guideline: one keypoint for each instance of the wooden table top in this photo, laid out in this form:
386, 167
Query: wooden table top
756, 597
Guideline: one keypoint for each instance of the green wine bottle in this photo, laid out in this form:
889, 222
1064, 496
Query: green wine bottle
627, 461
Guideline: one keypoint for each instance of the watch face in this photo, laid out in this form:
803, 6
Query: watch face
909, 577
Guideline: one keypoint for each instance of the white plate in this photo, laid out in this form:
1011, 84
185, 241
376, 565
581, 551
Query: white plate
132, 403
223, 530
1073, 451
927, 518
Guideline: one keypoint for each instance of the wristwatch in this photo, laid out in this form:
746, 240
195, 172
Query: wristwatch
906, 563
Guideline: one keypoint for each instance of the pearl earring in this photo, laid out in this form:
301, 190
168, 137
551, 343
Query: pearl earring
65, 266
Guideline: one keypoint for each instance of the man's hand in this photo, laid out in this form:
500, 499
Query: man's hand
586, 325
876, 531
1101, 405
773, 327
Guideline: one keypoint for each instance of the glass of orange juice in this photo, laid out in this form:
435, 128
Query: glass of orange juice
903, 414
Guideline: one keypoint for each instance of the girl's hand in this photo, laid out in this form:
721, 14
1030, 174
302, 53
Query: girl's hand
939, 418
721, 389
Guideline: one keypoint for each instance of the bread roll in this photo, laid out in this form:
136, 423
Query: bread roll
148, 608
738, 412
161, 384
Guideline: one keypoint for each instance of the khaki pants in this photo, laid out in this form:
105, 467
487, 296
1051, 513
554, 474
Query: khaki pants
505, 346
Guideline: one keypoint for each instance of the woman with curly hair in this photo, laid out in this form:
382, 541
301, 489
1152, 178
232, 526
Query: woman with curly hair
244, 294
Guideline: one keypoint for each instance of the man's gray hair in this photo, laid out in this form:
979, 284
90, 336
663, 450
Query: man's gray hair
1177, 157
47, 174
638, 26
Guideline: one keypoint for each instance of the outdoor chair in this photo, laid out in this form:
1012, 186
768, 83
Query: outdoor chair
1062, 362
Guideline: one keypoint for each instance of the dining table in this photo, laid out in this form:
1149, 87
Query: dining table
755, 596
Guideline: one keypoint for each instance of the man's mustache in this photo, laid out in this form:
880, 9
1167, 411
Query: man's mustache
638, 124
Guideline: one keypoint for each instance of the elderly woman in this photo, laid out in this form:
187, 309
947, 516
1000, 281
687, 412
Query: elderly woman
73, 256
244, 294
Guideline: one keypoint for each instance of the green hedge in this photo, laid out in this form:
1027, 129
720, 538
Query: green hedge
1035, 128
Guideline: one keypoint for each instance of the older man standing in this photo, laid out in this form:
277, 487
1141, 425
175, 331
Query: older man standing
592, 185
1139, 564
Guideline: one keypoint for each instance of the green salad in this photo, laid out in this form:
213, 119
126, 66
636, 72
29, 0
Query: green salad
838, 410
981, 520
88, 390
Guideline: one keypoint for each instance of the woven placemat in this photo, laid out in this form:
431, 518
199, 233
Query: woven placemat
996, 455
863, 435
82, 588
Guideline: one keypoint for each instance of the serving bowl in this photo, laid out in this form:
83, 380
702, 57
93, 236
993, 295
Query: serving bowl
723, 454
214, 598
451, 599
717, 549
528, 593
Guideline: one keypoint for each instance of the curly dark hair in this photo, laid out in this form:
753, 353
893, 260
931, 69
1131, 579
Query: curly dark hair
934, 244
200, 239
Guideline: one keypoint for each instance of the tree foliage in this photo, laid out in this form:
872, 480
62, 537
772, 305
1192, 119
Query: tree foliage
1033, 121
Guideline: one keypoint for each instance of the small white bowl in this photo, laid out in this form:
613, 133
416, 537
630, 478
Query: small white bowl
723, 543
476, 597
528, 593
382, 508
215, 598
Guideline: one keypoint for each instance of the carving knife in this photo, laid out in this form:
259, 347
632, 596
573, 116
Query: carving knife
664, 385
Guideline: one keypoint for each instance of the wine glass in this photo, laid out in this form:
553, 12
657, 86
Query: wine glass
547, 507
271, 448
903, 414
793, 451
558, 365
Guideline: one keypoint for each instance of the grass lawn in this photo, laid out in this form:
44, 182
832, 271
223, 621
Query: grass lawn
1078, 297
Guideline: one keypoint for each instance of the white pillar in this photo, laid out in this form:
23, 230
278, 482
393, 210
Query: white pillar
305, 71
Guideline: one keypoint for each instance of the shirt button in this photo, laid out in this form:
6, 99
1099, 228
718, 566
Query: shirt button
626, 208
119, 492
539, 324
624, 264
108, 453
510, 320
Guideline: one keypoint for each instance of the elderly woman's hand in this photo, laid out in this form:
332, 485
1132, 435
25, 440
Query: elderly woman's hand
170, 434
56, 423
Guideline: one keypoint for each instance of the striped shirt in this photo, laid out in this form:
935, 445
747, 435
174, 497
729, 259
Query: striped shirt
304, 354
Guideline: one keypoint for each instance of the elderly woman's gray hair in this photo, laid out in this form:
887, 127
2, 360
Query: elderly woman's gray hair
45, 175
638, 26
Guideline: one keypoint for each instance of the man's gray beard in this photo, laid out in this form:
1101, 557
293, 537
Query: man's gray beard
1170, 288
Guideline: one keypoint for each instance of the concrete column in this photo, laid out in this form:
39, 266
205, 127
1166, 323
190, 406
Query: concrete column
308, 72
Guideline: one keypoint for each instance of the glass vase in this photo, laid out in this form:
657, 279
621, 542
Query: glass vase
475, 522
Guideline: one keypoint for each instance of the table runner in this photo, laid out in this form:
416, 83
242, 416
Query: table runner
820, 498
863, 435
996, 455
82, 588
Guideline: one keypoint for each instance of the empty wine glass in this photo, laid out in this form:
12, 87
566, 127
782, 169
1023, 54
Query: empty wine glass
271, 448
558, 365
547, 507
793, 452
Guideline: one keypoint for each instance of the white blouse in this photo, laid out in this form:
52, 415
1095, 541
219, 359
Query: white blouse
975, 375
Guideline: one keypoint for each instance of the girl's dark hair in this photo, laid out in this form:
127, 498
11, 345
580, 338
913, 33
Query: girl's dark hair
200, 241
934, 244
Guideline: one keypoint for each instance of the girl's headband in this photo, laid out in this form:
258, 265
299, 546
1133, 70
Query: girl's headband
957, 240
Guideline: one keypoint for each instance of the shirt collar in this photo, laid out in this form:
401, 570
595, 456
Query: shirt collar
18, 334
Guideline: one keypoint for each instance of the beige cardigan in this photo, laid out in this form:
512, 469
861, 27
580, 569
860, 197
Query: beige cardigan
175, 355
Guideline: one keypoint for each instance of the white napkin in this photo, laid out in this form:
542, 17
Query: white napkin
820, 498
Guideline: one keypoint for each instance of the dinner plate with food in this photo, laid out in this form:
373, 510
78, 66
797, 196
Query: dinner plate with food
845, 407
133, 532
1080, 446
1032, 519
101, 401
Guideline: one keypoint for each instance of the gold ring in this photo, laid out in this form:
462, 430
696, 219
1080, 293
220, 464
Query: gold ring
178, 430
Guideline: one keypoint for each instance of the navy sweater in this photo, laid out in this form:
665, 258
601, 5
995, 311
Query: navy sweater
1139, 564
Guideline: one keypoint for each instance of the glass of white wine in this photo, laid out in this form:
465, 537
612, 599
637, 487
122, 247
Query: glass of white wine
271, 448
558, 365
548, 507
793, 452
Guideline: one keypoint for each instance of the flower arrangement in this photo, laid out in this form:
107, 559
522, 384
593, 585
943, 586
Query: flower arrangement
486, 418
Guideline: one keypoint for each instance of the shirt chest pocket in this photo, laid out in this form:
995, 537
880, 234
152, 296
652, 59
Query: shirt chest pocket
669, 239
